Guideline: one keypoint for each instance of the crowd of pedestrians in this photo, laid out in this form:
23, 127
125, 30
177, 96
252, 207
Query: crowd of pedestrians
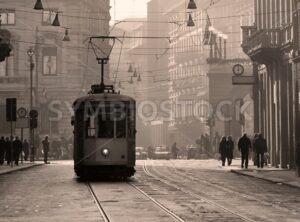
12, 150
258, 146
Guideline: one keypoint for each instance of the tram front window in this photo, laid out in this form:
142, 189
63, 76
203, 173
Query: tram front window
120, 125
105, 126
90, 127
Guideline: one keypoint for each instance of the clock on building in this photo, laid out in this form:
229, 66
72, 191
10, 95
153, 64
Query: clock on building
238, 69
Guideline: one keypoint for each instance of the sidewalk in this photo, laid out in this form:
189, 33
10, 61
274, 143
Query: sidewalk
8, 169
268, 173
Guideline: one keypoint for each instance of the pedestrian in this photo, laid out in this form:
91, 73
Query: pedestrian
216, 141
254, 152
223, 149
229, 147
206, 143
26, 149
174, 150
8, 151
260, 146
244, 145
17, 149
45, 143
2, 150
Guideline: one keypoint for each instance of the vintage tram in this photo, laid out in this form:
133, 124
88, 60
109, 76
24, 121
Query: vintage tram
104, 134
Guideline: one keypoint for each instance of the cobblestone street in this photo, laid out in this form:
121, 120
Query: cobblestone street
195, 190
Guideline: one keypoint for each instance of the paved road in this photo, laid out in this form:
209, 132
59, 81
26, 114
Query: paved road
192, 190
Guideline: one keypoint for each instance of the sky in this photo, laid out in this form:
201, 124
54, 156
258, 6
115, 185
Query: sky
128, 8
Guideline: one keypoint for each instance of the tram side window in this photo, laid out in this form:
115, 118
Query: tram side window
105, 126
120, 125
90, 127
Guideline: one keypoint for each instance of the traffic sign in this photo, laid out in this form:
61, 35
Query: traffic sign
22, 112
22, 123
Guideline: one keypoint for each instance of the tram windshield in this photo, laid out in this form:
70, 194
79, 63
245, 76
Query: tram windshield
106, 125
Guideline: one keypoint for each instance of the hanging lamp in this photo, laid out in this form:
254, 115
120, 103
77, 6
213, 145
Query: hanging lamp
38, 5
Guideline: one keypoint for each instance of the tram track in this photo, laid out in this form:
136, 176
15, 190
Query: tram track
195, 195
105, 216
98, 204
229, 190
162, 207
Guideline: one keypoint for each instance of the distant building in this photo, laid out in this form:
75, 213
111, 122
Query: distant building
63, 70
200, 69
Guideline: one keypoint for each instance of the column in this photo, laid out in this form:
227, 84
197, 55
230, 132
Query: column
284, 145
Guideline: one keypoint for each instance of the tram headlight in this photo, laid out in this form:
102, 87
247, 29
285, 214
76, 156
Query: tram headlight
105, 152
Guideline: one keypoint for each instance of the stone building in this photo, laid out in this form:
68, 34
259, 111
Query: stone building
270, 43
200, 69
63, 70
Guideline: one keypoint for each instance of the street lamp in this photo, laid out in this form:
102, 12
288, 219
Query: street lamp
38, 5
30, 53
192, 5
66, 37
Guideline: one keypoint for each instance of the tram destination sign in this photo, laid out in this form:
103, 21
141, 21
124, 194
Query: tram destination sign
243, 80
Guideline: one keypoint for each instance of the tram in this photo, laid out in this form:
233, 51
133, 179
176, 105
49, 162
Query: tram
104, 133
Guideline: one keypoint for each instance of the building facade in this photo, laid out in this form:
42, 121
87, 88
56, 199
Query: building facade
63, 70
270, 43
200, 69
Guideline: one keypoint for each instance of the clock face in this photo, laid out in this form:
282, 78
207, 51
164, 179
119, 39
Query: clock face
238, 69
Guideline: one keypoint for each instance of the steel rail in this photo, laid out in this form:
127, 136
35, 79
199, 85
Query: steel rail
196, 195
97, 202
226, 189
173, 215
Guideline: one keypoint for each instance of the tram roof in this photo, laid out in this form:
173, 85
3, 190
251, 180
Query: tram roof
105, 97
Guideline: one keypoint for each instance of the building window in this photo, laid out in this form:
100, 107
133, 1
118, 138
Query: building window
8, 16
49, 61
48, 16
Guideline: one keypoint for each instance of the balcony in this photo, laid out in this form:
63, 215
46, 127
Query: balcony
267, 44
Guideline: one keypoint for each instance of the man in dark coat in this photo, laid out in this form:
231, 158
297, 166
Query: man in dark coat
17, 149
174, 150
2, 150
8, 151
244, 145
26, 149
45, 143
223, 150
260, 146
230, 147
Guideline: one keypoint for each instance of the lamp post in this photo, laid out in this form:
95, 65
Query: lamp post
30, 53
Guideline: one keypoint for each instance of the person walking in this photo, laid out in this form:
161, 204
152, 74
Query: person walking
260, 147
174, 150
45, 143
229, 147
254, 149
8, 151
244, 145
223, 150
2, 150
17, 149
26, 149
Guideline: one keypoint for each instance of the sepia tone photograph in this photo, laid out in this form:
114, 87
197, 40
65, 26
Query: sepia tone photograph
150, 110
